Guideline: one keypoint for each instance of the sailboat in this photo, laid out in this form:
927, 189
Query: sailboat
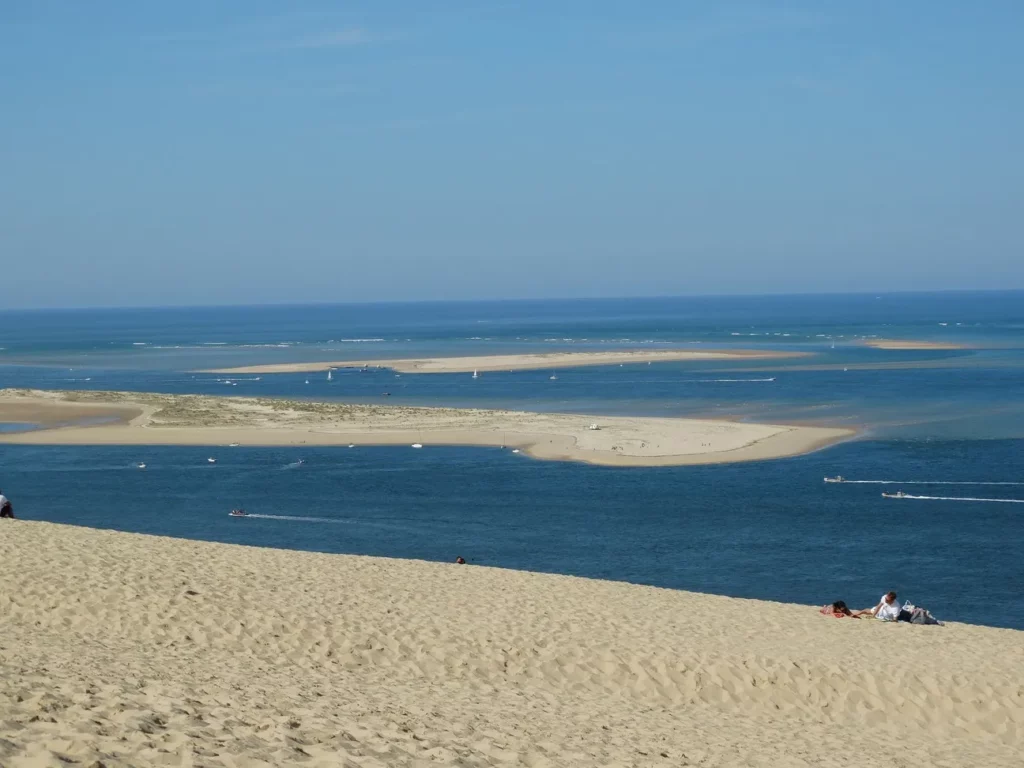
552, 377
330, 375
476, 374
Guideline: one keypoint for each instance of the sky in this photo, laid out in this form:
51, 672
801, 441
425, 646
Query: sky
252, 152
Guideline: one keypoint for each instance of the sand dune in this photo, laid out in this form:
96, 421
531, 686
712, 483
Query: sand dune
525, 362
120, 649
154, 419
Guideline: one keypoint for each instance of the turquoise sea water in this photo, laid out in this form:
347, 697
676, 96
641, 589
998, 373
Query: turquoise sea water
953, 419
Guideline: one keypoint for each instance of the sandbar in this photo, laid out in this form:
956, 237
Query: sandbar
125, 649
526, 362
911, 344
159, 419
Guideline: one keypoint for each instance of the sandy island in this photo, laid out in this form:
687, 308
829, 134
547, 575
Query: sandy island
153, 419
552, 360
120, 649
910, 344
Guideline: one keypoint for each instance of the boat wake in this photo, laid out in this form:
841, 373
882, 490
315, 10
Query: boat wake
956, 498
292, 518
928, 482
724, 381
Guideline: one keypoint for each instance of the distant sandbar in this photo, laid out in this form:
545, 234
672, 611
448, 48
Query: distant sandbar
157, 419
911, 344
525, 362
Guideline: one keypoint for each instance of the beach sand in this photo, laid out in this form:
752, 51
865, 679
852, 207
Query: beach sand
120, 649
155, 419
910, 344
544, 361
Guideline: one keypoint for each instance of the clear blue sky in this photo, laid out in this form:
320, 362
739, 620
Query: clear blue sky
256, 151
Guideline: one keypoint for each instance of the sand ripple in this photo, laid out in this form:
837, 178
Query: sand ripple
135, 650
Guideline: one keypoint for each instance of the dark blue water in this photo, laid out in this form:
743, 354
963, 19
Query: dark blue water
769, 530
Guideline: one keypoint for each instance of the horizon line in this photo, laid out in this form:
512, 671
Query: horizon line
512, 300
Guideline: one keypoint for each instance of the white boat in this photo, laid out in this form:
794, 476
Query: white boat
552, 377
515, 450
140, 465
476, 375
330, 375
351, 445
307, 381
836, 479
897, 495
417, 445
232, 445
212, 460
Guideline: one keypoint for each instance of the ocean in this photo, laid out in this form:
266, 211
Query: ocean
942, 425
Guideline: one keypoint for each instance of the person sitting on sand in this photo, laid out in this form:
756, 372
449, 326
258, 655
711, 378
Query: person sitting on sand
839, 610
460, 560
888, 609
6, 508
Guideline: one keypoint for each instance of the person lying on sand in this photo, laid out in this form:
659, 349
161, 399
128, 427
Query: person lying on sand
839, 610
888, 609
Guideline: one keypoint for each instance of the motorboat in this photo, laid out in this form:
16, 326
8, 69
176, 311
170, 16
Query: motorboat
836, 479
212, 460
417, 445
238, 513
552, 377
140, 465
897, 495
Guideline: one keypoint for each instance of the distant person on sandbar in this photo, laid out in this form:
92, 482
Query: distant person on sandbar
888, 608
460, 560
6, 508
839, 610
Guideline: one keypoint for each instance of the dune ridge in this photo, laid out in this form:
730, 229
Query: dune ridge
140, 650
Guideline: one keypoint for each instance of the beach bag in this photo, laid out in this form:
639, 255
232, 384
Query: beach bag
921, 616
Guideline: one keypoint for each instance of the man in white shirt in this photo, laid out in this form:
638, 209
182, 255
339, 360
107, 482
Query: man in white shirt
888, 608
6, 510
